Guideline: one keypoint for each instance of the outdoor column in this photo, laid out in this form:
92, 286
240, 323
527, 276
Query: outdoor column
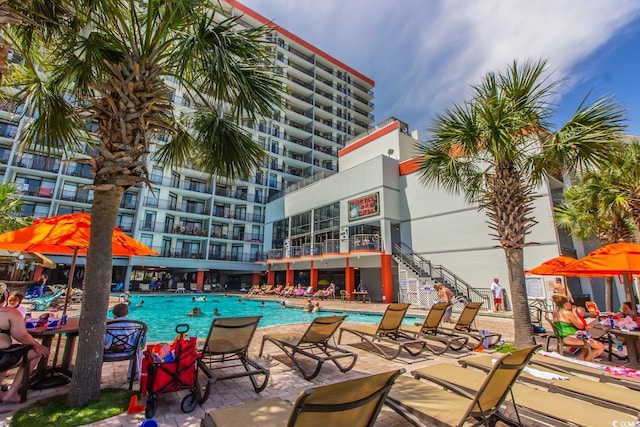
271, 276
255, 278
313, 277
199, 279
289, 276
387, 278
349, 279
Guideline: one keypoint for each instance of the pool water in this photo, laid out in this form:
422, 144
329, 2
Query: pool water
163, 312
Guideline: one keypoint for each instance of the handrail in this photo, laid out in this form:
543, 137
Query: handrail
424, 268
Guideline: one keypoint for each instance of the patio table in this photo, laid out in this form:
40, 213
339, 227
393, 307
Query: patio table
631, 339
48, 376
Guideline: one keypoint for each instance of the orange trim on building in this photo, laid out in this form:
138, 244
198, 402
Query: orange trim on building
386, 274
349, 279
409, 166
271, 276
255, 15
289, 274
313, 276
367, 139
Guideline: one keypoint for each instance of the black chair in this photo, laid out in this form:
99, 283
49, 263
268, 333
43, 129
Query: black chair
123, 341
23, 363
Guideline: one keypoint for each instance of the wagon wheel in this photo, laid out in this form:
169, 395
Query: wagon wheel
152, 405
189, 402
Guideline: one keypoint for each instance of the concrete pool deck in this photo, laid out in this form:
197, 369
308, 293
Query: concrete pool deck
285, 381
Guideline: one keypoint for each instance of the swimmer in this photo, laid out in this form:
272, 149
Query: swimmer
216, 312
283, 304
141, 303
308, 306
316, 308
239, 300
261, 303
195, 312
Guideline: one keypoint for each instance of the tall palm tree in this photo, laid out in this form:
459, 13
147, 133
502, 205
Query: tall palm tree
109, 68
586, 215
497, 148
11, 208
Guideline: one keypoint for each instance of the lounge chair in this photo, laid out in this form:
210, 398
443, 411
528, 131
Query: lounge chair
602, 394
585, 369
353, 403
465, 325
255, 290
267, 291
538, 405
387, 332
424, 404
228, 341
43, 303
313, 344
428, 329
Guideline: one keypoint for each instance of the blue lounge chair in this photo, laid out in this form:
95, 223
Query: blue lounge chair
42, 304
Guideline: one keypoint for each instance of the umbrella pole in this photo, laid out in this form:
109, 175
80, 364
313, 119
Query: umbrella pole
72, 272
67, 297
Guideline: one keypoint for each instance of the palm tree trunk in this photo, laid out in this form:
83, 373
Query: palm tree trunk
523, 328
629, 295
95, 302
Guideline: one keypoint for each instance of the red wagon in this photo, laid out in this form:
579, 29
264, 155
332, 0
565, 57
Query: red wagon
179, 372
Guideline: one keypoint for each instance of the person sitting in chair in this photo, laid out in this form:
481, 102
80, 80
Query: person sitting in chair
12, 327
570, 329
121, 312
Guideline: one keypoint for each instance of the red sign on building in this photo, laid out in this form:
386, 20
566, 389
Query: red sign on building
363, 206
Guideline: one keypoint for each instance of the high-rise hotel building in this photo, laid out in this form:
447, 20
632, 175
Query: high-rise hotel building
211, 231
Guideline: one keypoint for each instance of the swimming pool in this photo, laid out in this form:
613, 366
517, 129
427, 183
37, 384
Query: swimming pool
163, 312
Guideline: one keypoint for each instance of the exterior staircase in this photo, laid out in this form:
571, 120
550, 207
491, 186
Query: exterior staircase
418, 276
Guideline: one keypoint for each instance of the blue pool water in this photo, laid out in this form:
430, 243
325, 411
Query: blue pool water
163, 312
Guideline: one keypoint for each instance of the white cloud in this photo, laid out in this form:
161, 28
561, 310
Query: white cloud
423, 55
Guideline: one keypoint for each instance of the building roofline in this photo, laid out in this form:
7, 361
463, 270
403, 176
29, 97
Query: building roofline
255, 15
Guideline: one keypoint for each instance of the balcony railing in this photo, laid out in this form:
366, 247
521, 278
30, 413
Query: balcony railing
357, 242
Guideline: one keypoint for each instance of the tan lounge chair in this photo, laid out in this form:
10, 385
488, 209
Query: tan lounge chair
568, 367
387, 332
465, 325
602, 394
226, 345
423, 404
313, 344
428, 329
353, 403
538, 405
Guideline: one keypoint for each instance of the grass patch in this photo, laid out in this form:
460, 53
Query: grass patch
505, 348
54, 411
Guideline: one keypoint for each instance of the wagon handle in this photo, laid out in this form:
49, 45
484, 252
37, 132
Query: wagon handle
182, 328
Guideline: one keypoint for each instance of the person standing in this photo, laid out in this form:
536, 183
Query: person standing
446, 296
498, 294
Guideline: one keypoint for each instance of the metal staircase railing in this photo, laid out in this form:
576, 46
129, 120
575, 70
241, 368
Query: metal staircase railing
423, 268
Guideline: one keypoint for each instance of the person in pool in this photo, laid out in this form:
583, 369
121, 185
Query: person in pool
216, 312
141, 303
195, 312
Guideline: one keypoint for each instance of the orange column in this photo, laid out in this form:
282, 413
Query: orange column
313, 277
387, 278
349, 279
199, 279
271, 275
255, 278
289, 276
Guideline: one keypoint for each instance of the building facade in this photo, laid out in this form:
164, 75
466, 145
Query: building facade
360, 224
210, 230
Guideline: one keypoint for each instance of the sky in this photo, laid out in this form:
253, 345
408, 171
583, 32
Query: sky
425, 54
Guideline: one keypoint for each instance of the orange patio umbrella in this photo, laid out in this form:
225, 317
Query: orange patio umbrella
609, 260
551, 267
67, 234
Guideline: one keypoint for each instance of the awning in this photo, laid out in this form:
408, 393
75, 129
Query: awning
12, 256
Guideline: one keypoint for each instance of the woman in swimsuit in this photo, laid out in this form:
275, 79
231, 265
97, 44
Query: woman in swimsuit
12, 326
568, 324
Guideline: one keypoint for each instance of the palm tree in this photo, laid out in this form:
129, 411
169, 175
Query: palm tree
11, 208
110, 68
496, 149
586, 215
